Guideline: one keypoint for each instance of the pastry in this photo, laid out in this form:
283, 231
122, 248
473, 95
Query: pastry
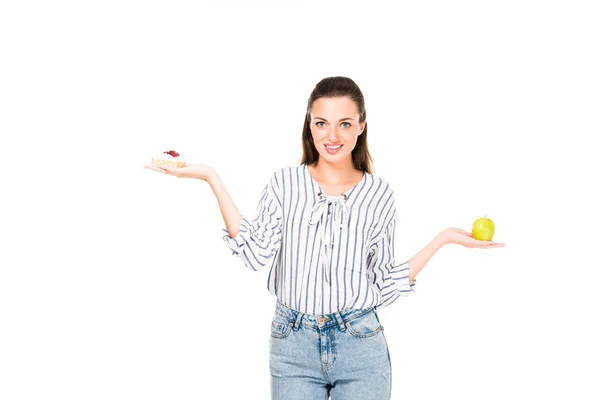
169, 158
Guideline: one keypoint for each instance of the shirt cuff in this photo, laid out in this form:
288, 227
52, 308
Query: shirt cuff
401, 279
237, 243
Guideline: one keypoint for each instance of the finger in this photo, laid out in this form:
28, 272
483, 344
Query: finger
481, 244
493, 246
174, 171
463, 232
155, 168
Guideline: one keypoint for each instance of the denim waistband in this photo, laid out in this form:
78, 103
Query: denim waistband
323, 320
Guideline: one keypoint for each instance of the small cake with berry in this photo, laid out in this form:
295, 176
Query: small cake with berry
169, 158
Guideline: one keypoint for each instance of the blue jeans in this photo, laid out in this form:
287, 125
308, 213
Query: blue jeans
343, 354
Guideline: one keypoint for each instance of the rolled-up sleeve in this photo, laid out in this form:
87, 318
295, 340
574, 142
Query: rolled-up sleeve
389, 276
259, 239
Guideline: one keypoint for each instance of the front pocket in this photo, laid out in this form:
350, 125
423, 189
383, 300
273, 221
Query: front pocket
280, 329
365, 326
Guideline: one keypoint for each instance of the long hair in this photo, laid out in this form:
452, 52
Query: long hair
338, 86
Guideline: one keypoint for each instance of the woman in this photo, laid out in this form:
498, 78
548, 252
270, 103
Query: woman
326, 231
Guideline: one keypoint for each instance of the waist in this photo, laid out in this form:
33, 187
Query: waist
321, 320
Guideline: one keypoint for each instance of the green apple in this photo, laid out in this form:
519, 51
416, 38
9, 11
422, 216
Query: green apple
483, 229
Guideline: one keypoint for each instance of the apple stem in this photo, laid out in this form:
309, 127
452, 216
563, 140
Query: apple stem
485, 216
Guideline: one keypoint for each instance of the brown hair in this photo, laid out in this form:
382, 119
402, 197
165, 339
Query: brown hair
338, 86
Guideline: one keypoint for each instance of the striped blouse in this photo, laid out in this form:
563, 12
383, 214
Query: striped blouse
325, 253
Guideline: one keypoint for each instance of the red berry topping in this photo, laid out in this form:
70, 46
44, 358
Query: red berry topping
172, 153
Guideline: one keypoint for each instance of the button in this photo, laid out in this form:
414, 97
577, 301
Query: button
321, 321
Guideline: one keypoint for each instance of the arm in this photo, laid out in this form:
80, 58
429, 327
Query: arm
418, 261
256, 241
231, 214
229, 211
450, 235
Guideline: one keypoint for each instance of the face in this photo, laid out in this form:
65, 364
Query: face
334, 121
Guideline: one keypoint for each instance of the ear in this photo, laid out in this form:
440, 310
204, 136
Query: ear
362, 127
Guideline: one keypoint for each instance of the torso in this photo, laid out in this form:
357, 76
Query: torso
299, 269
336, 189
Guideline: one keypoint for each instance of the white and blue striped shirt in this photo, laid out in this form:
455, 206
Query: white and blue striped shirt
325, 253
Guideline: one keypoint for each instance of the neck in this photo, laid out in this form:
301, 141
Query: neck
335, 173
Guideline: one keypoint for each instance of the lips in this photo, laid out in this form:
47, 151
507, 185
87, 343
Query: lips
334, 150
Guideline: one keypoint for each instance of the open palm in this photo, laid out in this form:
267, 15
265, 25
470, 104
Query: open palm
198, 171
464, 238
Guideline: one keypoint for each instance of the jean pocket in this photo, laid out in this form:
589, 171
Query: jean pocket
364, 326
280, 327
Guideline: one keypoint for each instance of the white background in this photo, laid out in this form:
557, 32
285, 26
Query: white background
115, 282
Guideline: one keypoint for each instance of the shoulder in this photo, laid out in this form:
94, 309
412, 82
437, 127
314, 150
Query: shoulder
280, 174
380, 185
386, 201
286, 171
283, 175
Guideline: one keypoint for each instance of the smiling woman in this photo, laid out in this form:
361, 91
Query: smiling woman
335, 124
325, 231
331, 129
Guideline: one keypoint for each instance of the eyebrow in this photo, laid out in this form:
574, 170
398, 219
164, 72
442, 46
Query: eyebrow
343, 119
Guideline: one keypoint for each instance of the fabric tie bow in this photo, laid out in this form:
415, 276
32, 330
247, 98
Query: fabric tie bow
340, 215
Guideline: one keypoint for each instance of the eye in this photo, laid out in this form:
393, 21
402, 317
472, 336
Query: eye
348, 126
319, 122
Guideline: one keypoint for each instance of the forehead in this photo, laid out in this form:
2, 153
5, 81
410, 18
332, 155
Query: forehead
334, 108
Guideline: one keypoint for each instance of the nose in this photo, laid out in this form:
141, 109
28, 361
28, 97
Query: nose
333, 135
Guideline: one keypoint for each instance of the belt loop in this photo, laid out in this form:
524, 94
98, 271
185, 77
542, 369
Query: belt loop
297, 323
340, 321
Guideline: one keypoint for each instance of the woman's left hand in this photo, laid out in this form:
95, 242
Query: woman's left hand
464, 238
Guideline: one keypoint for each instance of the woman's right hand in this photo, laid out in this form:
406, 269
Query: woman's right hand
198, 171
